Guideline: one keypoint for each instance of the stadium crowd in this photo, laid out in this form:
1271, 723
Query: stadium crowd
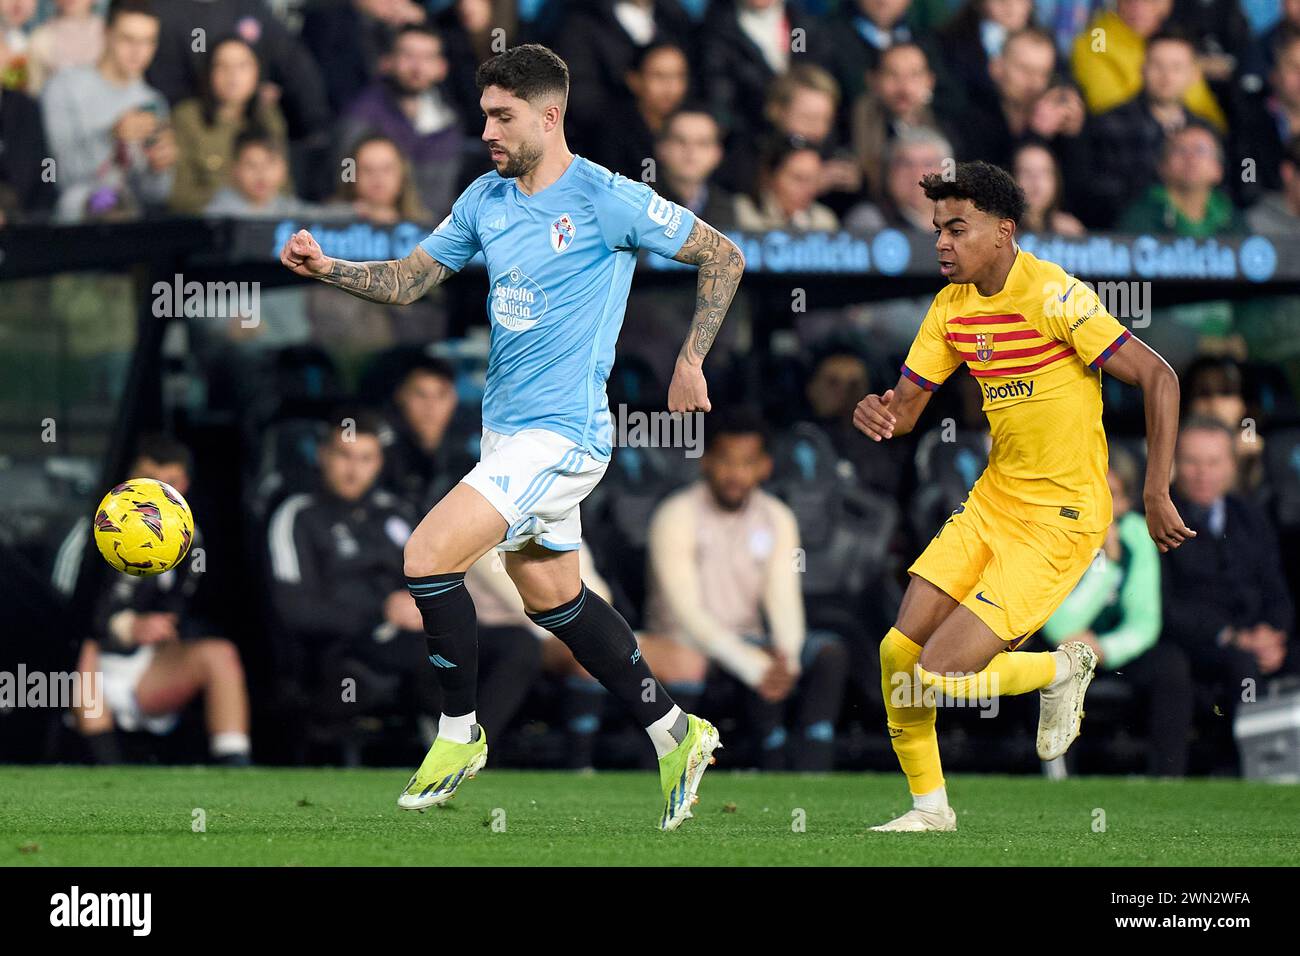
760, 576
1171, 116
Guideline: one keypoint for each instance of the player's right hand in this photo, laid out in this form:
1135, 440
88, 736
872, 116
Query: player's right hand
301, 255
873, 418
1164, 524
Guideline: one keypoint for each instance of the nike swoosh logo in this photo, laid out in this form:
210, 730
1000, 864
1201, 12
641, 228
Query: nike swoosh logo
1068, 291
981, 597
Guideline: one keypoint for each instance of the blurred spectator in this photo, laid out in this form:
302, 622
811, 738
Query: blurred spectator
1108, 64
900, 96
1220, 36
804, 102
747, 44
382, 193
107, 128
1263, 49
974, 37
656, 85
1064, 19
349, 38
1021, 73
15, 55
724, 590
1036, 171
785, 198
339, 590
24, 192
860, 35
74, 37
1278, 214
913, 153
466, 28
1225, 600
409, 105
1128, 140
1268, 119
599, 41
421, 463
1187, 201
382, 190
689, 151
207, 126
259, 173
502, 618
155, 652
291, 73
1115, 609
1212, 388
839, 379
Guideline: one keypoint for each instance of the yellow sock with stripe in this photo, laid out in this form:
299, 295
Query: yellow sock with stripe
1016, 672
911, 722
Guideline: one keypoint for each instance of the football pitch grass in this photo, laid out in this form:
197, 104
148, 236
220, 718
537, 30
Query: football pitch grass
147, 816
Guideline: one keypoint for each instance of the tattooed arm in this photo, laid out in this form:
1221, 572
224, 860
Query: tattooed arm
395, 281
720, 264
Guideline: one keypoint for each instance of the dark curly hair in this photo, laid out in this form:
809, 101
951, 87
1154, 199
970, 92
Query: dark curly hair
529, 71
991, 188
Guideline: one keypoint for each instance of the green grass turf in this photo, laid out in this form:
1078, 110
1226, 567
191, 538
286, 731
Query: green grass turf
141, 816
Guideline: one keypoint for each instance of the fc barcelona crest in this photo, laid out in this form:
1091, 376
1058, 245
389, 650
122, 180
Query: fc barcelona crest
562, 232
983, 346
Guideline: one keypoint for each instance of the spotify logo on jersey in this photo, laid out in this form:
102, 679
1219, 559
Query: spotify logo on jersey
516, 302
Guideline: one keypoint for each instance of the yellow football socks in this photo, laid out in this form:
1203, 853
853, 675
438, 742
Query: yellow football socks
911, 721
1007, 674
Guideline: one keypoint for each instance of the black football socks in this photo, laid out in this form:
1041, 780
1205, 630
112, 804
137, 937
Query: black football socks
602, 642
451, 634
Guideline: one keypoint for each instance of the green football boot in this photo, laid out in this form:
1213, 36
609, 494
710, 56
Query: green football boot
680, 771
445, 766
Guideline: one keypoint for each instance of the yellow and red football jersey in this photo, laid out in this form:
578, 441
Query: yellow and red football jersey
1036, 349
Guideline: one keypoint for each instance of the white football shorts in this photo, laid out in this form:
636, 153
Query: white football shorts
536, 479
122, 673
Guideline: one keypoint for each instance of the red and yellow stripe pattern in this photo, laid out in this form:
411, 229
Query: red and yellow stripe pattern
1001, 345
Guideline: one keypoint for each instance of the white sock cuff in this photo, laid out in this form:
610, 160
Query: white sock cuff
661, 732
936, 799
457, 729
229, 743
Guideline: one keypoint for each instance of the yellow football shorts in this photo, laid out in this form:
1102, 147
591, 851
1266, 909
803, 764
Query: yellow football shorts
1011, 573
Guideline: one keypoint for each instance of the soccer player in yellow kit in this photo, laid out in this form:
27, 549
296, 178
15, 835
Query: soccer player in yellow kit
1036, 340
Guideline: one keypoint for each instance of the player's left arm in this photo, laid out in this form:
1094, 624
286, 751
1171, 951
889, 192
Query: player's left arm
720, 265
1136, 363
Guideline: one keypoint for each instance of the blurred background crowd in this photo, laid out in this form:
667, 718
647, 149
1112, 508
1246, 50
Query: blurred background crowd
759, 575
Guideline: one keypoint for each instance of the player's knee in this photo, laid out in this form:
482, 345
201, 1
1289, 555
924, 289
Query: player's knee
935, 661
422, 556
221, 658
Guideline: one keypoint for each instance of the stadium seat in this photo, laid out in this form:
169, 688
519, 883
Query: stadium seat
1282, 471
846, 531
616, 518
945, 473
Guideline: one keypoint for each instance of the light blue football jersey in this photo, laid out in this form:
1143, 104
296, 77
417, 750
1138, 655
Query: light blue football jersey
559, 267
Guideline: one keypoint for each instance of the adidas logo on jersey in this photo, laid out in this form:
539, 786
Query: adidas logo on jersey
501, 481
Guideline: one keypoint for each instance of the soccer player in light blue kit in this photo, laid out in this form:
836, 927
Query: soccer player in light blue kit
560, 236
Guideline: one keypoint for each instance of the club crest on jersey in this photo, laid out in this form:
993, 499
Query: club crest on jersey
983, 346
562, 233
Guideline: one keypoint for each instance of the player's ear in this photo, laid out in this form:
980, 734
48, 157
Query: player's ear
1006, 231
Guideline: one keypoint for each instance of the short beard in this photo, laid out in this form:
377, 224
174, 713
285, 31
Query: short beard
523, 162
